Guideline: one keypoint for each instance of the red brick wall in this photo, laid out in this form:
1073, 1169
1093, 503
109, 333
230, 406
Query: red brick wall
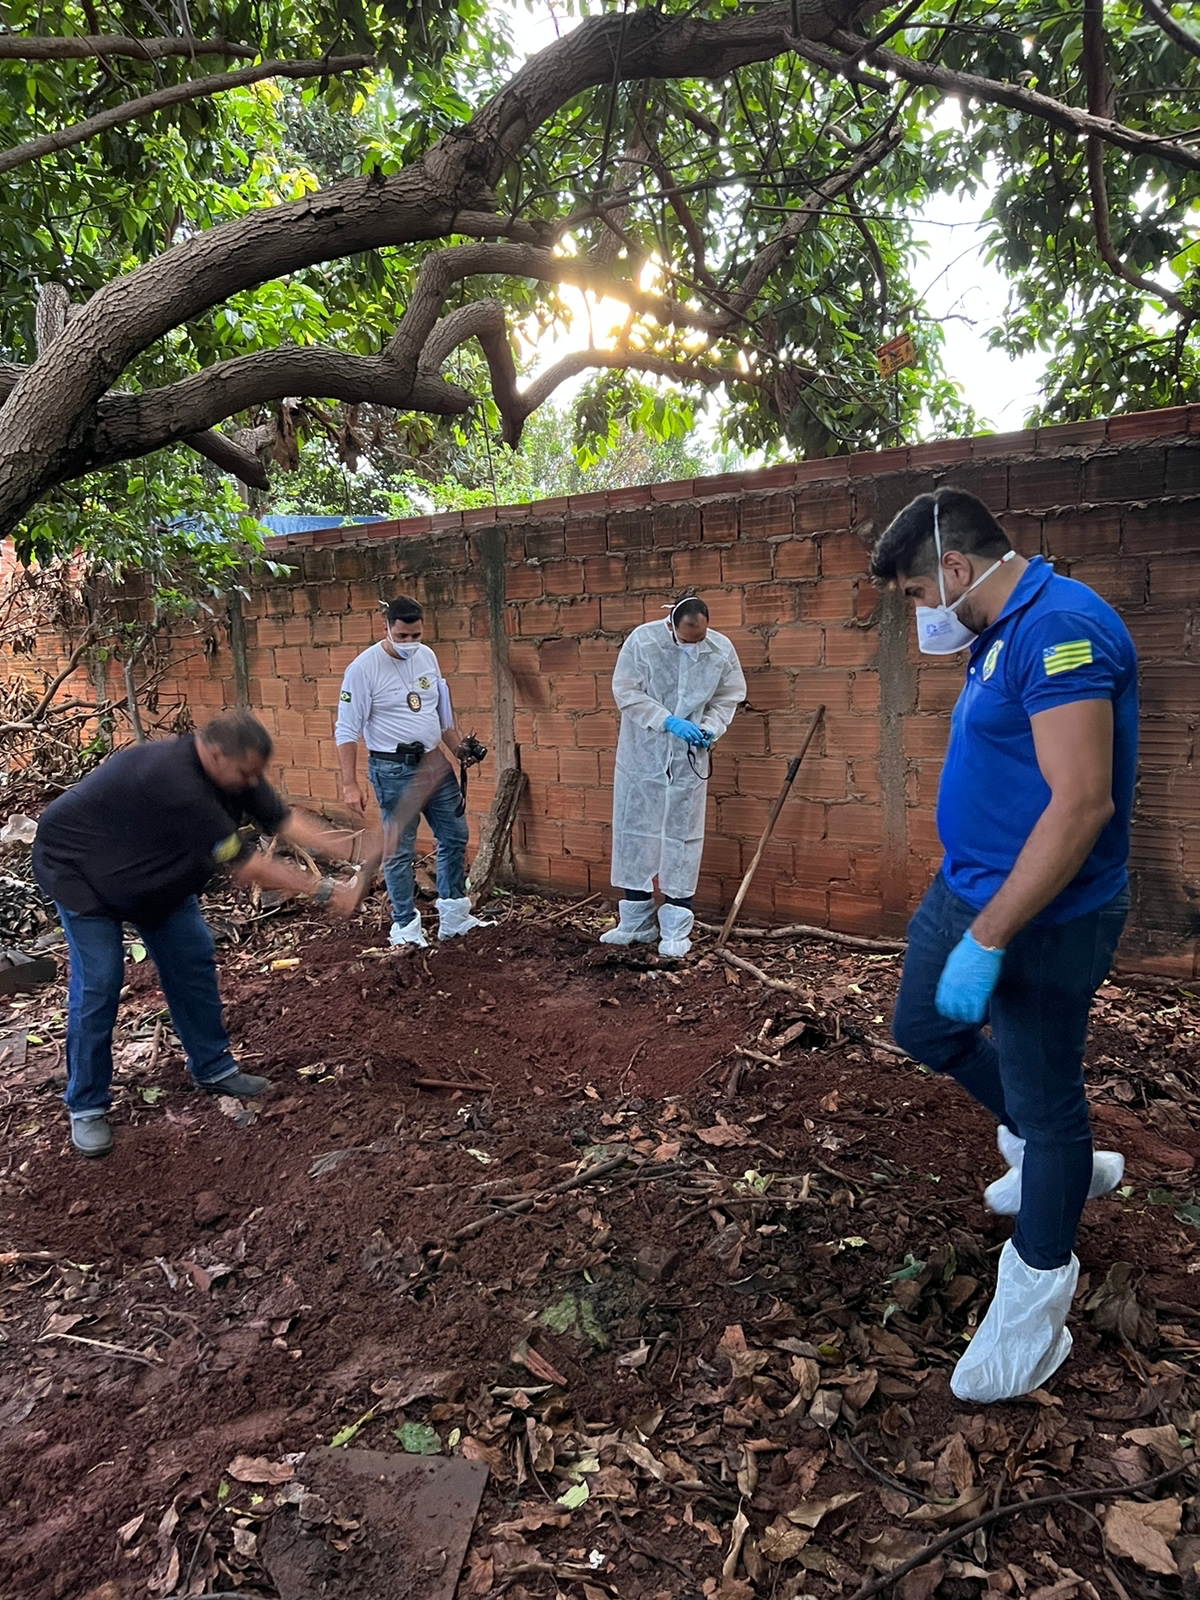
780, 558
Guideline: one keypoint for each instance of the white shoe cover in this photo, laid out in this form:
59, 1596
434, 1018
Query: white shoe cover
409, 932
674, 923
454, 918
636, 925
1023, 1339
1004, 1196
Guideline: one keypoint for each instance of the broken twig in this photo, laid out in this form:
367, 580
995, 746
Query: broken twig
527, 1204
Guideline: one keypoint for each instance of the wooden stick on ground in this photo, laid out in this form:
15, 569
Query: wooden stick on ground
777, 807
802, 930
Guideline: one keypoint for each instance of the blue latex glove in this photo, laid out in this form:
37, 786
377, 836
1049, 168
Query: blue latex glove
685, 730
967, 981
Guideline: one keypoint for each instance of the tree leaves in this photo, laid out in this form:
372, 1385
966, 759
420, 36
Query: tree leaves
1139, 1529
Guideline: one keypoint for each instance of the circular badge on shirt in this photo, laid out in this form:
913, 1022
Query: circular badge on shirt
414, 701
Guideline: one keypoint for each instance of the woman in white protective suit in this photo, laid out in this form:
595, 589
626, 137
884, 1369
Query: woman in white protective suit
677, 686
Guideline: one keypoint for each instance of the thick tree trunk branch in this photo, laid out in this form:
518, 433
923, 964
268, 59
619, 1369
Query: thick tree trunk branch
42, 47
48, 144
230, 456
46, 421
1183, 37
1043, 106
1101, 103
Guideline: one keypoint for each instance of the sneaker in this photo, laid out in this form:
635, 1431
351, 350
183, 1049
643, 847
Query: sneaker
92, 1135
242, 1085
410, 932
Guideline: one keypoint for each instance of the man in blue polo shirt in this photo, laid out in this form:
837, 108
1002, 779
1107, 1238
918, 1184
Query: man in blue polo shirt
1019, 927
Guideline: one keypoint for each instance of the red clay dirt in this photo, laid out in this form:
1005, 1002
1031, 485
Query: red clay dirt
765, 1290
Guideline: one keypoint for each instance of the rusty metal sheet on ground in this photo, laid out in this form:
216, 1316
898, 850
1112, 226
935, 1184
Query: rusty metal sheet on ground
372, 1525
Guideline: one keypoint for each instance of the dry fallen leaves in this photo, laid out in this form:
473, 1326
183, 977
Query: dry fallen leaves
257, 1469
1139, 1530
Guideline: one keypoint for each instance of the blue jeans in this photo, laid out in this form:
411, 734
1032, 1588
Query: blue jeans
1029, 1074
181, 947
390, 779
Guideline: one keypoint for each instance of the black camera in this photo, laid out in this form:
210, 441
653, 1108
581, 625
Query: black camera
471, 752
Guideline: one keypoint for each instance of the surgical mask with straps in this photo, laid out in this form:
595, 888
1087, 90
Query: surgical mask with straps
940, 631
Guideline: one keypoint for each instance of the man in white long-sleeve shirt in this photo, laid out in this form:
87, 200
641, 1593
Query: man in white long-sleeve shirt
395, 699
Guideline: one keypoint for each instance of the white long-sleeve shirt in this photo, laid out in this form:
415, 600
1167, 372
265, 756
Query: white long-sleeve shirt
374, 704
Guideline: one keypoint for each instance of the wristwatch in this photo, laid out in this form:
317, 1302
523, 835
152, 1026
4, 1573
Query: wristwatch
323, 893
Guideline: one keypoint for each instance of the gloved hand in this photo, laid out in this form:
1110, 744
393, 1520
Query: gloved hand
683, 729
967, 981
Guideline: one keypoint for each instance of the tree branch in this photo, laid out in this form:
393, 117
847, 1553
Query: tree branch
1042, 106
1183, 37
39, 711
192, 89
229, 456
42, 47
1100, 102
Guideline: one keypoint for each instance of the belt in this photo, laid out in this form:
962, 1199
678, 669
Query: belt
409, 754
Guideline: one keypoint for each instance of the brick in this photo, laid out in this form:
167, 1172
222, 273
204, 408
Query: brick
843, 553
523, 582
1175, 580
849, 735
1158, 635
1059, 434
768, 691
796, 558
827, 600
821, 778
604, 575
554, 729
563, 577
925, 738
1045, 481
1183, 467
297, 630
746, 563
1094, 532
560, 800
558, 656
864, 693
538, 618
1125, 475
820, 863
630, 530
579, 767
1174, 796
621, 612
692, 569
855, 913
586, 536
850, 647
793, 903
822, 506
675, 525
648, 569
1149, 424
586, 839
267, 631
746, 735
766, 517
719, 521
1024, 531
798, 644
359, 629
579, 615
769, 604
574, 692
1163, 745
1170, 528
987, 481
596, 730
544, 541
855, 823
597, 805
938, 688
598, 655
1121, 582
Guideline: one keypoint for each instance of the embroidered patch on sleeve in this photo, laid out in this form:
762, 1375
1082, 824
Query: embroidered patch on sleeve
1065, 657
227, 849
345, 696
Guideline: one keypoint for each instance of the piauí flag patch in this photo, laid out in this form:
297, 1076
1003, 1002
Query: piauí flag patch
1065, 657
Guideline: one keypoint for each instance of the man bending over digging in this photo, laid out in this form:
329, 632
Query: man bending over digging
136, 841
1020, 925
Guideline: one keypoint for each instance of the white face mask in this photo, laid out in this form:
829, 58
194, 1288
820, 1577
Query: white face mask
691, 651
405, 651
940, 632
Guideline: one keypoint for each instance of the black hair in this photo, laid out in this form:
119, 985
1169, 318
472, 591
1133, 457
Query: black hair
687, 609
906, 548
403, 609
238, 733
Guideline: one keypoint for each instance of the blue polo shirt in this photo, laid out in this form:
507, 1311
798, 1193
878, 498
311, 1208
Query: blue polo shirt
1054, 643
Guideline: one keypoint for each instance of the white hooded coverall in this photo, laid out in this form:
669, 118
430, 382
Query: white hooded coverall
658, 801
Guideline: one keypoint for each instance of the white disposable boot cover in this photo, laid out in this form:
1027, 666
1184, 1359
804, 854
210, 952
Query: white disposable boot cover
454, 918
636, 925
1023, 1339
674, 923
1004, 1196
409, 932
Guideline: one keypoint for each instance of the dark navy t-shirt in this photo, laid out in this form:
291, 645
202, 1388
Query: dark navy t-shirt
1054, 643
144, 831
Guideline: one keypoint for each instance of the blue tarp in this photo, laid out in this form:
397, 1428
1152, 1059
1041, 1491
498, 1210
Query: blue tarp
279, 524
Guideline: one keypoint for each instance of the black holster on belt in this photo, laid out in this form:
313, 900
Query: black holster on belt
409, 755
